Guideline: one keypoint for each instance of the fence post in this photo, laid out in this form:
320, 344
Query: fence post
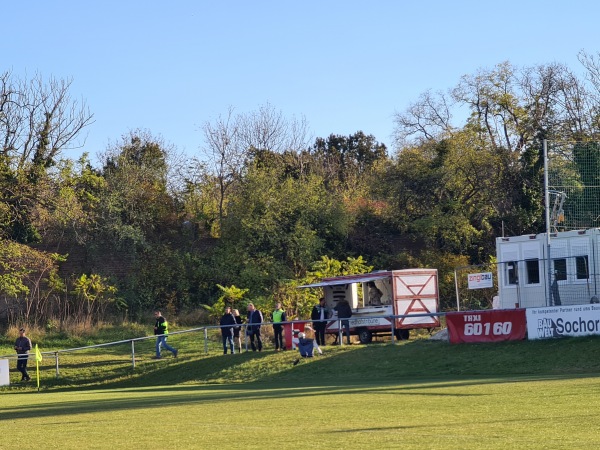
456, 289
132, 354
56, 357
393, 322
205, 340
340, 334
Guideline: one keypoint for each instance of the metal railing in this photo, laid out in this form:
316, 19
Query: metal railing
205, 330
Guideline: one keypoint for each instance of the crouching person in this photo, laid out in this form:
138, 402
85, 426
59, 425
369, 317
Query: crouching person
307, 347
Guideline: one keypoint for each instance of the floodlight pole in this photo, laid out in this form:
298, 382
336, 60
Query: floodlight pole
547, 201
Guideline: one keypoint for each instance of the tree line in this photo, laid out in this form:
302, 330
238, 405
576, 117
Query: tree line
261, 208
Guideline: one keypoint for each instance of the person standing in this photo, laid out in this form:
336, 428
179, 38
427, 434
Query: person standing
255, 319
277, 317
161, 330
344, 312
236, 329
227, 323
319, 317
22, 346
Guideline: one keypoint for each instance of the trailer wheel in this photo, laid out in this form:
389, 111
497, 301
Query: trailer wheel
402, 334
365, 336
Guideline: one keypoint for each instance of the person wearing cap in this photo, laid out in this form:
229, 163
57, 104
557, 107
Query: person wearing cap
22, 346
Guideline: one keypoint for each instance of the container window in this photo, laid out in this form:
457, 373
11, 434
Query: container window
560, 269
582, 268
512, 275
533, 271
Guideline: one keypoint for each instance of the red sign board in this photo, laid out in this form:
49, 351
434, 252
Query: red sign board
486, 326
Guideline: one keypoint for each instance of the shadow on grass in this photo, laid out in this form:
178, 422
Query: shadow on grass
340, 371
143, 398
152, 397
411, 368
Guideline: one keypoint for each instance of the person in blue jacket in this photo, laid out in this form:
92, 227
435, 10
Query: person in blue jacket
307, 346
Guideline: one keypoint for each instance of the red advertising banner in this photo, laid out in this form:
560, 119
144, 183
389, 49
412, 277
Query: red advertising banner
486, 326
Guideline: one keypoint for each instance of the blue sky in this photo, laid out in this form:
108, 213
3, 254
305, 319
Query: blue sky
345, 66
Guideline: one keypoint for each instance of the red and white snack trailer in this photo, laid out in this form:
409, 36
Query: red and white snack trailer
403, 293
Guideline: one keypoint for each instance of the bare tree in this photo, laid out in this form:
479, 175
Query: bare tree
509, 106
268, 129
232, 139
427, 118
38, 120
224, 153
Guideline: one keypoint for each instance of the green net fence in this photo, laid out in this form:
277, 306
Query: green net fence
574, 185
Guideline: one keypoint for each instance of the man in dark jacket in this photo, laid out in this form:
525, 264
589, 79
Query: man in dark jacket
255, 319
22, 346
344, 312
319, 315
227, 323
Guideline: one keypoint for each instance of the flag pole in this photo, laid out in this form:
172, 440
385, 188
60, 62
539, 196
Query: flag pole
38, 358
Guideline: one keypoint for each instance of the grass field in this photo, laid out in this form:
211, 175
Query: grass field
418, 394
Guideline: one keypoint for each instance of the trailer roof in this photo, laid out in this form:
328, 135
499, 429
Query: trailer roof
349, 279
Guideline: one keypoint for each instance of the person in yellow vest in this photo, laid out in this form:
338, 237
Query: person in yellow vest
277, 317
161, 329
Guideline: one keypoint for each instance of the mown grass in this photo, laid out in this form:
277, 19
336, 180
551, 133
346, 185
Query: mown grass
415, 394
414, 359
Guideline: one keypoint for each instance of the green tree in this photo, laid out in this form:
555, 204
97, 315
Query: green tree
136, 203
38, 121
276, 226
230, 296
68, 205
445, 194
93, 295
344, 158
26, 281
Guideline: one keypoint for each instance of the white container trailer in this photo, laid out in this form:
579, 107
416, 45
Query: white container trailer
524, 279
403, 292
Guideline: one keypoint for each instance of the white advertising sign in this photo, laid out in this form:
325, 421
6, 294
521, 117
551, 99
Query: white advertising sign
4, 375
480, 280
559, 321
